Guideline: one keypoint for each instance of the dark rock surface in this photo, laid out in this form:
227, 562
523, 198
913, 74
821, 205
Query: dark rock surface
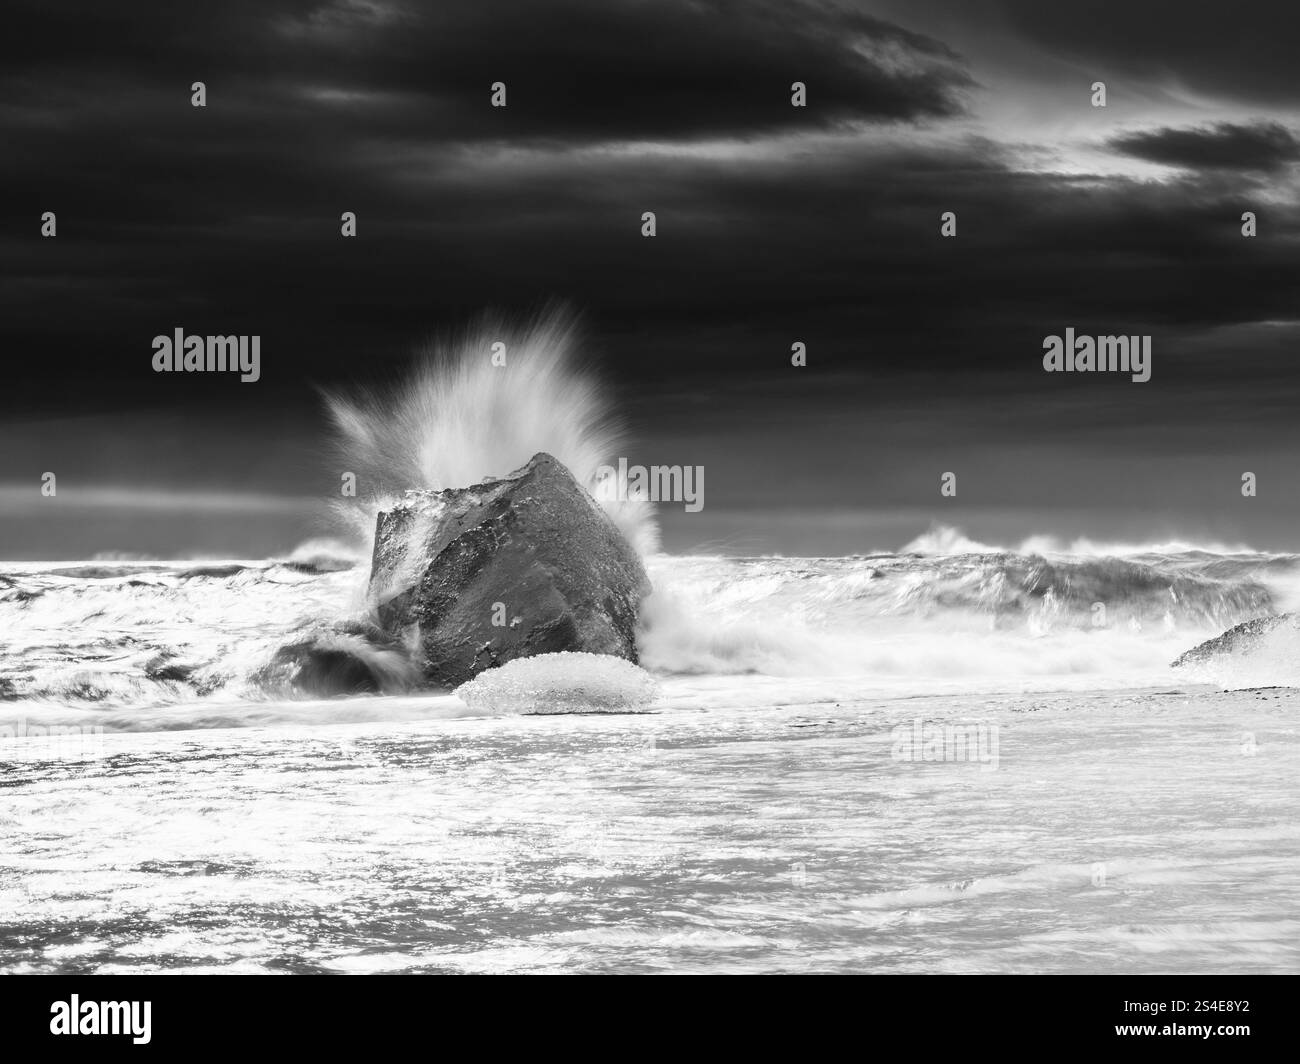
163, 667
527, 564
348, 658
1239, 639
324, 672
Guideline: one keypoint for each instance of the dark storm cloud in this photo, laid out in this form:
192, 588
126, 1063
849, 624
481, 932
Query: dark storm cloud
575, 69
1243, 51
774, 224
1259, 146
837, 242
226, 219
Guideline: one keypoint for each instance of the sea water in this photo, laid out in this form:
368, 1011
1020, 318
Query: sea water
766, 811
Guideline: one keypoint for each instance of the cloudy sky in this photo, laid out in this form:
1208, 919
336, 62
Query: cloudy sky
776, 224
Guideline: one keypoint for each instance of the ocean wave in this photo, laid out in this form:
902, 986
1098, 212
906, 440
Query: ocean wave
141, 633
325, 555
944, 539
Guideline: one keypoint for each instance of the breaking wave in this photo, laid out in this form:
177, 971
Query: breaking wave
963, 618
111, 634
943, 539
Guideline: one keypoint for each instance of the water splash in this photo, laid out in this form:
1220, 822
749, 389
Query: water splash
462, 416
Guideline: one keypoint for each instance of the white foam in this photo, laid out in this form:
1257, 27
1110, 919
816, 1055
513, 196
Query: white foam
944, 540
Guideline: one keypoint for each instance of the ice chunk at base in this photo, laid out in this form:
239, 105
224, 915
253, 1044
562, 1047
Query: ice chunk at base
566, 682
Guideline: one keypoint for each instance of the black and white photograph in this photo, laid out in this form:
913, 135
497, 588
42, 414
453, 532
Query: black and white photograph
650, 487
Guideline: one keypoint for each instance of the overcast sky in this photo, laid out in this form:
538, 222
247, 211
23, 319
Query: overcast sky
776, 224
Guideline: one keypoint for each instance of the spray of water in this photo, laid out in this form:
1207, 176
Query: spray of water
461, 416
